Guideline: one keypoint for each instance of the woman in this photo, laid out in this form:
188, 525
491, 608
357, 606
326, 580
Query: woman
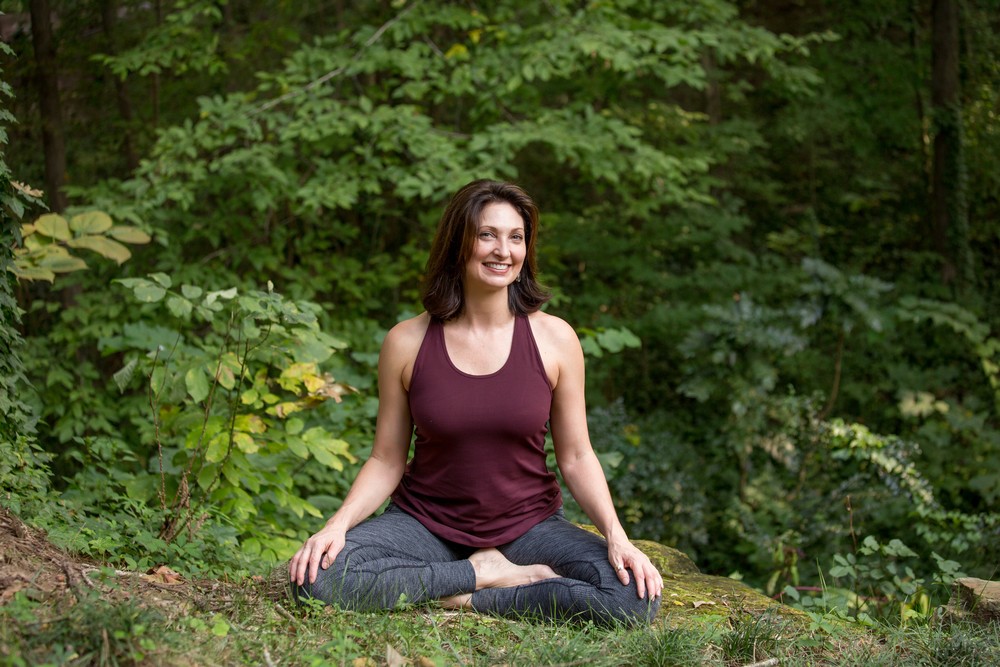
475, 519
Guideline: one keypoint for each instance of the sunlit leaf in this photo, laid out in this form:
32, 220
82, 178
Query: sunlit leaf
132, 235
103, 246
31, 272
91, 222
62, 263
54, 226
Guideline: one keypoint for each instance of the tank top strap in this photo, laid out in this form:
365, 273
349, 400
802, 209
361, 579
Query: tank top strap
431, 347
527, 348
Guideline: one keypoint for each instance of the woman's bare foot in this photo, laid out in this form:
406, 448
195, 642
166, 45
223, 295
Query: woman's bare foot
463, 601
493, 570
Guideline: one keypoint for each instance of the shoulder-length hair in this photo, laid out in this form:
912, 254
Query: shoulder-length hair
443, 295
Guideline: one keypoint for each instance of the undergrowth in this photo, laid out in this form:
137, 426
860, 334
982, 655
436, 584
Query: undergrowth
236, 625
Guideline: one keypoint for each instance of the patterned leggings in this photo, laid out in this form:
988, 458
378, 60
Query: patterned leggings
392, 559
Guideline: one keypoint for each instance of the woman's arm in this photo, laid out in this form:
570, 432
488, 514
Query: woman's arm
578, 463
381, 473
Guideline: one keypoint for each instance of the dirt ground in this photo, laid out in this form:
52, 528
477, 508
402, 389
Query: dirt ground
31, 564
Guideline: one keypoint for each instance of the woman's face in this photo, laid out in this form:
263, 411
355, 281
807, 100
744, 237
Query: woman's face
499, 250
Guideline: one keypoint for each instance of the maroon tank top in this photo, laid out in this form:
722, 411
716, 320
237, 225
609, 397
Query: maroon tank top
478, 475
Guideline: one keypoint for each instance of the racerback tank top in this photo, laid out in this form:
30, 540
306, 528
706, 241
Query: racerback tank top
478, 475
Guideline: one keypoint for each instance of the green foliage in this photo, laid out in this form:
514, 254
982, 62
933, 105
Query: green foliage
16, 419
185, 41
103, 515
46, 241
743, 190
752, 639
881, 583
964, 323
233, 386
24, 475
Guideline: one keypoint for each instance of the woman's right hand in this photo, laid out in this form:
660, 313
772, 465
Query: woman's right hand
320, 550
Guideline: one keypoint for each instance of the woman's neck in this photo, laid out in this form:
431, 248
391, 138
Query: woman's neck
485, 311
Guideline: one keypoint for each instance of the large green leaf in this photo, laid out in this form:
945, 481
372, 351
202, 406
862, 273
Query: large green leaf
132, 235
103, 246
91, 222
62, 263
31, 272
54, 226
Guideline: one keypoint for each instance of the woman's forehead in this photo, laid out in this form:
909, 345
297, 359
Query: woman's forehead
500, 214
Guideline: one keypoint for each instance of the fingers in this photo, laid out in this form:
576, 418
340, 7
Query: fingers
648, 580
640, 583
318, 551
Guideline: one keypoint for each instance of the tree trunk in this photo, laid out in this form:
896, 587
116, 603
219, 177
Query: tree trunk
949, 207
47, 79
109, 17
158, 9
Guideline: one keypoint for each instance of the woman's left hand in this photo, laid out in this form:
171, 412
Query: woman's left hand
624, 556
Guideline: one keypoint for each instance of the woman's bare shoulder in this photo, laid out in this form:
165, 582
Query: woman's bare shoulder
406, 336
552, 330
400, 348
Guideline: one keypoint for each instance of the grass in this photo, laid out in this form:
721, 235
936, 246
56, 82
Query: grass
123, 624
58, 610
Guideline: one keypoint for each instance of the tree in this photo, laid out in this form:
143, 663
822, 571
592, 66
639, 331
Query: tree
47, 77
949, 206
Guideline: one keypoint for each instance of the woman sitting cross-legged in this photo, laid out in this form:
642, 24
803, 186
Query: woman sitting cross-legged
475, 519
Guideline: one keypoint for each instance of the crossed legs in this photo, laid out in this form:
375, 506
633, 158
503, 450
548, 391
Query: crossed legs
555, 571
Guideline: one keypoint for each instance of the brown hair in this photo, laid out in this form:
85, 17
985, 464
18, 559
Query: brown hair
443, 295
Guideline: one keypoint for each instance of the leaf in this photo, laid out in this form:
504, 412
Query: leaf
298, 447
179, 306
245, 442
124, 375
701, 603
250, 424
27, 189
62, 263
294, 426
393, 658
147, 292
163, 279
196, 382
31, 273
163, 575
225, 377
102, 246
132, 235
220, 294
217, 448
191, 291
221, 628
54, 226
91, 222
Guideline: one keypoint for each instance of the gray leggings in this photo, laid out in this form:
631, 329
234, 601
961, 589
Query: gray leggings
392, 559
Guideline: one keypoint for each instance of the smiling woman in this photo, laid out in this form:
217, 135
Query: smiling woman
464, 228
477, 381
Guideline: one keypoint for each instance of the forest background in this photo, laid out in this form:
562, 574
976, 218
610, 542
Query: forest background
774, 224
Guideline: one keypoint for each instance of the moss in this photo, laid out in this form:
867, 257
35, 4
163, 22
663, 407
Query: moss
693, 598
